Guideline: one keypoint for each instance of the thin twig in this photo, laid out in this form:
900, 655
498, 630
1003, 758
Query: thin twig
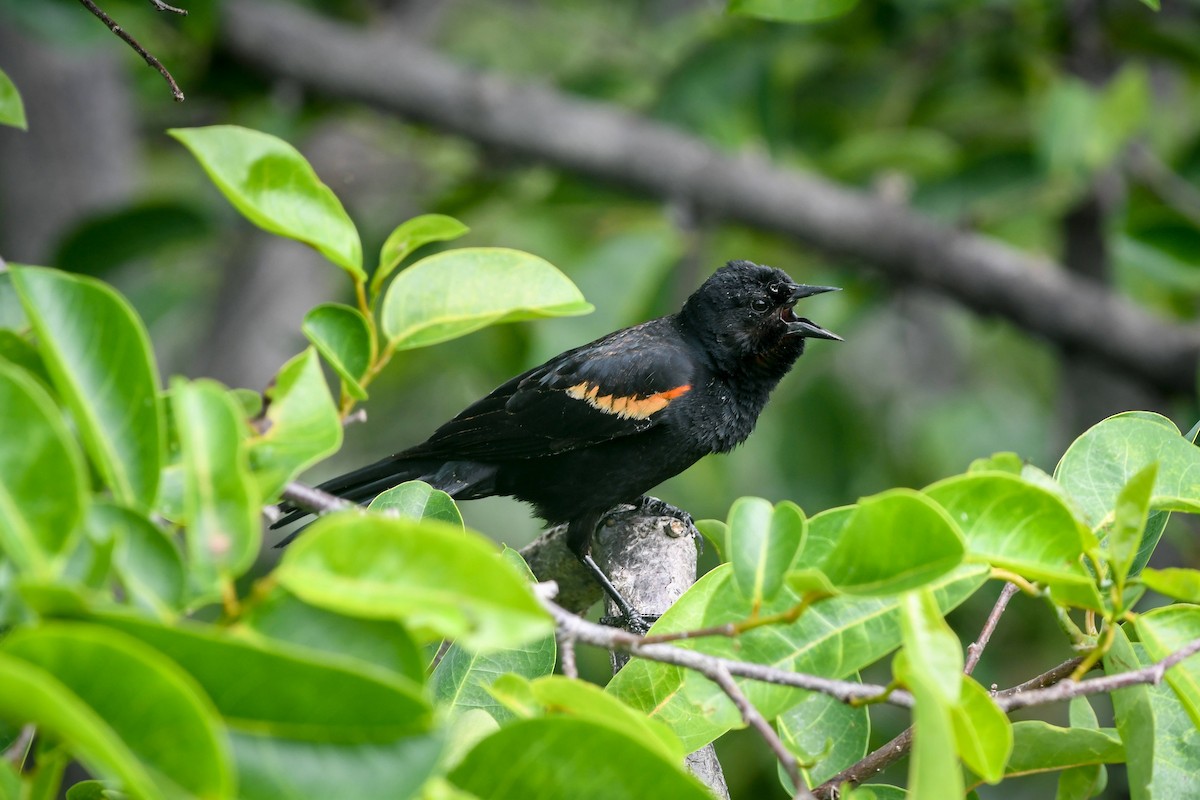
354, 418
161, 6
132, 42
314, 499
755, 720
566, 655
975, 649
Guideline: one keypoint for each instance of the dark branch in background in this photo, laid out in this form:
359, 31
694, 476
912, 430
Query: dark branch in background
124, 36
615, 145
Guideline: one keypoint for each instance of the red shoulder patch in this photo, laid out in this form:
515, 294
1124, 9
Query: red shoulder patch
626, 406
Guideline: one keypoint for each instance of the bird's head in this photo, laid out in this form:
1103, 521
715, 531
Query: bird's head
745, 316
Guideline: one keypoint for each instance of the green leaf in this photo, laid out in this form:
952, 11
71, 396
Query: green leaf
302, 425
933, 772
139, 232
438, 580
998, 462
1085, 781
1129, 523
340, 334
408, 237
564, 764
835, 639
762, 541
156, 709
933, 653
221, 501
1177, 582
37, 453
1153, 5
284, 617
33, 695
1165, 630
1041, 747
1010, 523
1162, 743
982, 733
454, 293
145, 559
582, 700
716, 533
418, 500
791, 10
873, 554
462, 678
12, 110
1098, 465
302, 724
274, 187
99, 356
825, 734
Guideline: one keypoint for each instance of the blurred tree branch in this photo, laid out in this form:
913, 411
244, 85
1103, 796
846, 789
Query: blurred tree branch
616, 145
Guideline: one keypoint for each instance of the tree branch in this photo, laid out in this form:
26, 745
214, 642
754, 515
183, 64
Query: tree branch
617, 146
124, 36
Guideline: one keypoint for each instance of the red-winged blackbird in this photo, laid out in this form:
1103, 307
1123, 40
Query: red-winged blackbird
599, 425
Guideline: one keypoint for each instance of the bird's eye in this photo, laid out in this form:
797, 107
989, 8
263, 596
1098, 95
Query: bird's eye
759, 305
773, 288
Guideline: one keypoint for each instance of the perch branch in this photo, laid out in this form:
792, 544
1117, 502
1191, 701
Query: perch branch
124, 36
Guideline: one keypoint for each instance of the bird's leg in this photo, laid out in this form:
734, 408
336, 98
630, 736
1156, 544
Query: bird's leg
579, 541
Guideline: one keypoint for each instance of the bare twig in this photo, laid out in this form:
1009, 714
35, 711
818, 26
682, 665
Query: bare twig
1047, 678
566, 655
161, 6
354, 418
975, 649
124, 36
615, 145
752, 717
314, 499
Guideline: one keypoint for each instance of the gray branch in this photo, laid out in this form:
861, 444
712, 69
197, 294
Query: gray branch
617, 146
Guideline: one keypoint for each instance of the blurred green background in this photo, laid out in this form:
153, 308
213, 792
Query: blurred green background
1068, 129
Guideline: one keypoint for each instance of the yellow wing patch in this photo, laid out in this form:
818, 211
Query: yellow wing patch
626, 406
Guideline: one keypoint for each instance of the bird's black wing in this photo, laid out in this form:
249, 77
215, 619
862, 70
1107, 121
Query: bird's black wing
616, 386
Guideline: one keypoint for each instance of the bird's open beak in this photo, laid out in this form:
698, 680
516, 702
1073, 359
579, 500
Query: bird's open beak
806, 328
802, 291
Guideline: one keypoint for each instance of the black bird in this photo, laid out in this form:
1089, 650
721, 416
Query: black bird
600, 425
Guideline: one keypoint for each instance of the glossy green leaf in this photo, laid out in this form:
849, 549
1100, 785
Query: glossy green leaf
1162, 743
341, 336
461, 680
933, 771
1165, 630
418, 500
301, 425
1085, 781
791, 10
833, 638
1129, 522
1177, 582
12, 110
716, 534
982, 733
998, 462
933, 652
1041, 747
408, 237
438, 580
99, 356
302, 724
157, 710
31, 694
274, 187
221, 500
146, 560
582, 700
459, 291
564, 764
36, 452
1099, 464
1010, 523
284, 617
873, 554
762, 541
825, 734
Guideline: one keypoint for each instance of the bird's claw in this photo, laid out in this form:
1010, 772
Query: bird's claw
653, 507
